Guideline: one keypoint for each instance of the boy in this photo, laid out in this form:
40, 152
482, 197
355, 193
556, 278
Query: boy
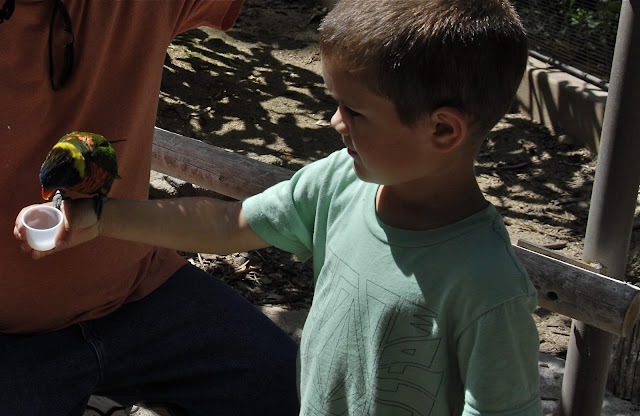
420, 307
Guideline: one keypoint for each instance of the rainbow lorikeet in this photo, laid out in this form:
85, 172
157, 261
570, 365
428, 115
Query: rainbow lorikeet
80, 162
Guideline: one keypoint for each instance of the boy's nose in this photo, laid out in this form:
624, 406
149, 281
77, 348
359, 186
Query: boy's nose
337, 122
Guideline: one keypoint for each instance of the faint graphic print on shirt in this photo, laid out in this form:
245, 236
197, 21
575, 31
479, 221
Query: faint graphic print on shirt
369, 348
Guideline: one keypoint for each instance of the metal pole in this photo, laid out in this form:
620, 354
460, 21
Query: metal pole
598, 82
613, 202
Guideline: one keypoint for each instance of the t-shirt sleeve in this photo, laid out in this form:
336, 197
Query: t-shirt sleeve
272, 214
294, 215
285, 215
498, 362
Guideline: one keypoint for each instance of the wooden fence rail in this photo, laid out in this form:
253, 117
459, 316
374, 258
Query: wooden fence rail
211, 167
590, 297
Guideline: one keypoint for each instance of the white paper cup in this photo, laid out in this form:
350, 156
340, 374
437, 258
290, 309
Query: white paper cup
41, 224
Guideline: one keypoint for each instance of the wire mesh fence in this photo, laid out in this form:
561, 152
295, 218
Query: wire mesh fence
580, 34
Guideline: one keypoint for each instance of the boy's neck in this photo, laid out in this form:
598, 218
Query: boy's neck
416, 207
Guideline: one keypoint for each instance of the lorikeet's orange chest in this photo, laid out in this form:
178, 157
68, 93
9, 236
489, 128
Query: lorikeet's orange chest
96, 180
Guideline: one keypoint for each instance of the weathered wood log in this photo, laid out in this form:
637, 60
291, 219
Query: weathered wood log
211, 167
598, 300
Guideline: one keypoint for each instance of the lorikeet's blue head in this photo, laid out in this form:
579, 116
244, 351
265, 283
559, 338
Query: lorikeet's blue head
63, 168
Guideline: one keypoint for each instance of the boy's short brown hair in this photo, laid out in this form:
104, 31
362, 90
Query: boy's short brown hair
427, 54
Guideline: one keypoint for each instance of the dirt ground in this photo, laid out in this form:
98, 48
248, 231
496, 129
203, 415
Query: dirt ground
257, 90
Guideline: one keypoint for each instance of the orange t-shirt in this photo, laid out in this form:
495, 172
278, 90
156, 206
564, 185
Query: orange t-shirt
120, 48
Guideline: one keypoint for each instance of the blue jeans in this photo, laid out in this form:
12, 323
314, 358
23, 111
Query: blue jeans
193, 343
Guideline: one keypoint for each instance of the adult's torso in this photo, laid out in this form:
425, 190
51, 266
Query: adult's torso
119, 51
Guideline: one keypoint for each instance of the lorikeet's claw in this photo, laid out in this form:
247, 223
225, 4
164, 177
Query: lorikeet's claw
57, 199
99, 201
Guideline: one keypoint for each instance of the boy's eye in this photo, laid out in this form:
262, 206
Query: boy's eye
351, 112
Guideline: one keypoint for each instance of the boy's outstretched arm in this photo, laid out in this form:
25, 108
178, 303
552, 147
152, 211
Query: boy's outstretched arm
191, 224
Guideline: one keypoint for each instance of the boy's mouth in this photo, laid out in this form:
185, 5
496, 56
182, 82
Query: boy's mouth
347, 144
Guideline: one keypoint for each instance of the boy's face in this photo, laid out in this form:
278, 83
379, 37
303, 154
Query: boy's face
384, 150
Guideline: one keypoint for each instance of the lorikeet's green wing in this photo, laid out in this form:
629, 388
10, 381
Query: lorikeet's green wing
104, 159
102, 167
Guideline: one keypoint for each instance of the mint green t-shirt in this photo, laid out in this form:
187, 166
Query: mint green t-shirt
403, 322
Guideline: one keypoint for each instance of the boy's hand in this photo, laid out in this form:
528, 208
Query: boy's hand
80, 224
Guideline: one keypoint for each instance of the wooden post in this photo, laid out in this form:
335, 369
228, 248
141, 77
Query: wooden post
613, 201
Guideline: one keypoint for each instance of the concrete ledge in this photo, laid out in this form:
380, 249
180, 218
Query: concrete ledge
564, 104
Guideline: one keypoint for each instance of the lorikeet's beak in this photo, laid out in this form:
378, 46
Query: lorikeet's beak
47, 194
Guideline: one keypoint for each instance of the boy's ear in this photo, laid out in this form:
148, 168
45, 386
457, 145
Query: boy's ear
448, 128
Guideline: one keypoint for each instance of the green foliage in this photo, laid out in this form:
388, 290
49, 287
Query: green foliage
581, 33
598, 22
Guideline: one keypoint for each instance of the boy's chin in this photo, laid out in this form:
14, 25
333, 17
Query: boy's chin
364, 175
